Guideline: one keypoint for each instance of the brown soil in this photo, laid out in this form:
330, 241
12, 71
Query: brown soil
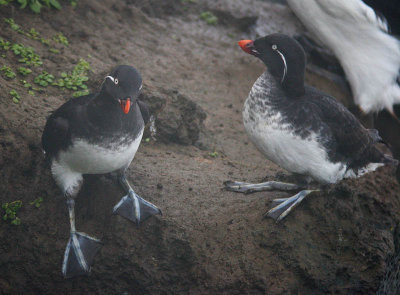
208, 241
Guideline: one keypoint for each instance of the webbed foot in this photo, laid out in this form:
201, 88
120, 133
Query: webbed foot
282, 207
245, 187
135, 208
79, 254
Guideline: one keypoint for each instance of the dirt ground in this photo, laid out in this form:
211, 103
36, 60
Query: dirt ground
343, 240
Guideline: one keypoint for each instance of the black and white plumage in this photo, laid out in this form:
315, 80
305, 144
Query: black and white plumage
361, 40
300, 128
96, 134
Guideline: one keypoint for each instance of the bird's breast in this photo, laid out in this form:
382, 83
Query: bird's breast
90, 158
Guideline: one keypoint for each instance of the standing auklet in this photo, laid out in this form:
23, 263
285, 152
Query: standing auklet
300, 128
93, 135
360, 39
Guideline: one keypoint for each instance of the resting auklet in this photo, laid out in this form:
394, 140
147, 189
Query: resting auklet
361, 40
300, 128
95, 134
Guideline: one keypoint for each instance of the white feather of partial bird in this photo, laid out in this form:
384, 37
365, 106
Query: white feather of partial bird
369, 55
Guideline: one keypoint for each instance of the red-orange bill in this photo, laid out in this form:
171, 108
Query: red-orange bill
246, 45
125, 105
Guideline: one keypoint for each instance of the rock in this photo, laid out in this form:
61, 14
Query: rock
176, 117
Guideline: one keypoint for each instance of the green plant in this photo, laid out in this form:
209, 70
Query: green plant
209, 17
75, 80
37, 202
60, 38
27, 54
7, 72
5, 2
5, 45
35, 35
26, 84
53, 50
12, 24
10, 210
213, 154
15, 96
44, 79
80, 93
24, 71
36, 5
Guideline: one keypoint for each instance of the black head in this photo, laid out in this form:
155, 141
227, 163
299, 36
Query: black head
284, 58
123, 84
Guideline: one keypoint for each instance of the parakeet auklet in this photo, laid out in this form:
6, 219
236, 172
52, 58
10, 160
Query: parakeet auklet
95, 134
300, 128
360, 39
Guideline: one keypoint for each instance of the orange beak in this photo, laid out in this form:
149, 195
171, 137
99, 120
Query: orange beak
125, 105
247, 46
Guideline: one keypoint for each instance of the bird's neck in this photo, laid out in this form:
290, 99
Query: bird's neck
293, 85
104, 111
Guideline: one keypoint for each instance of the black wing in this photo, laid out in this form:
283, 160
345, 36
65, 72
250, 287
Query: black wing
145, 111
56, 133
344, 136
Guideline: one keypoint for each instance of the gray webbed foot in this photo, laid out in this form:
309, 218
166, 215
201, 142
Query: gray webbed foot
282, 207
244, 187
79, 254
135, 208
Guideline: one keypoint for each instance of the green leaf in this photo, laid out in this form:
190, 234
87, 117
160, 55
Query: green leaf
35, 6
23, 3
16, 221
55, 4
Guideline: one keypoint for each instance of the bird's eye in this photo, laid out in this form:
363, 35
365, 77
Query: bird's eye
116, 81
274, 47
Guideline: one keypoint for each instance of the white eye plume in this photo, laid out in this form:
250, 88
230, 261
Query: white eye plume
274, 47
115, 80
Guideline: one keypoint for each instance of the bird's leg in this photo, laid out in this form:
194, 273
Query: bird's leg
132, 206
81, 248
244, 187
283, 206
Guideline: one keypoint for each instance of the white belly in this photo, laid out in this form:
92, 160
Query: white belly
86, 158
